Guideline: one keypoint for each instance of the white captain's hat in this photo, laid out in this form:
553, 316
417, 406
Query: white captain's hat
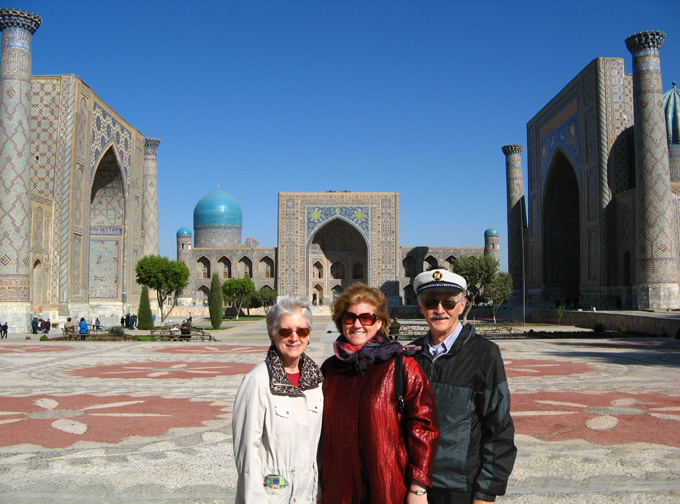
439, 280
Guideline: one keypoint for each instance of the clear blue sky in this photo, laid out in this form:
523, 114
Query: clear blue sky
263, 97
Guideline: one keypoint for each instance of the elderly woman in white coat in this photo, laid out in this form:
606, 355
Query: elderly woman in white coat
277, 414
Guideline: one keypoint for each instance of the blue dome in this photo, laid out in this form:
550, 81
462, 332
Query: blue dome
217, 209
184, 231
671, 105
492, 231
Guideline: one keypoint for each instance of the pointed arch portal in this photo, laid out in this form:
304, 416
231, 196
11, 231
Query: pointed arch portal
107, 229
561, 220
334, 251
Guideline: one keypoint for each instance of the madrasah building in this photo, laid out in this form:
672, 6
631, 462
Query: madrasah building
326, 241
601, 227
79, 201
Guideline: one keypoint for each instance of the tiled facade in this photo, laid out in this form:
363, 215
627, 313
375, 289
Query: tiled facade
72, 219
326, 241
595, 159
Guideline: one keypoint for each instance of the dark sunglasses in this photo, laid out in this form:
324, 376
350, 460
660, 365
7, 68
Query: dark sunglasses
364, 318
286, 332
447, 304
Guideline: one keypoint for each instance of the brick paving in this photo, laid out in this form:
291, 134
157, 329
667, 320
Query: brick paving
598, 420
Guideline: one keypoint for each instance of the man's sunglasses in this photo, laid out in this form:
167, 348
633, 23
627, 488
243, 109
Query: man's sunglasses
447, 304
286, 332
364, 318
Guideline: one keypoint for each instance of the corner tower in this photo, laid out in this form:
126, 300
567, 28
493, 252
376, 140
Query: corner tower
656, 225
492, 243
150, 205
517, 215
17, 28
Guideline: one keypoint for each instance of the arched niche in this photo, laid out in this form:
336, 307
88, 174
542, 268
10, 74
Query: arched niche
340, 245
562, 233
107, 229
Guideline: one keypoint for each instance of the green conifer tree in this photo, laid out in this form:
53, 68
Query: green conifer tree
144, 316
216, 302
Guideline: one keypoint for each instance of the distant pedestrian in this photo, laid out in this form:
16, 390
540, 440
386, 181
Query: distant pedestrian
122, 321
4, 330
69, 328
96, 324
84, 328
34, 325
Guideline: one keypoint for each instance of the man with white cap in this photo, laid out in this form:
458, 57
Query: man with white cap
476, 444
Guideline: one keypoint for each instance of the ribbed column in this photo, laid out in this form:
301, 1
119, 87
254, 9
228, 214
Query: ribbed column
516, 212
150, 205
15, 153
656, 233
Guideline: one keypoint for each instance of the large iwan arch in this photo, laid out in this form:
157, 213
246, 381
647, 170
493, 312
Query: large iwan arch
334, 249
107, 230
562, 232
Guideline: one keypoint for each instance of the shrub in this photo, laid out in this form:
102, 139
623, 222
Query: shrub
621, 329
599, 327
44, 338
116, 331
145, 318
216, 302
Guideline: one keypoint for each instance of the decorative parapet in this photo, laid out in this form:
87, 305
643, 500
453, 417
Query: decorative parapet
150, 148
152, 143
645, 40
14, 18
512, 149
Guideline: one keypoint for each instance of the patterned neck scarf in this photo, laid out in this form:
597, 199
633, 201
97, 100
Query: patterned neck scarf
279, 384
378, 349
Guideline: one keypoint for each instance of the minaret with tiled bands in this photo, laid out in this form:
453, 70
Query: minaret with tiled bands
656, 225
150, 205
17, 29
516, 213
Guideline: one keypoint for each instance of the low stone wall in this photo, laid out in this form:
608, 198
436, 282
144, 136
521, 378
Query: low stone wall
653, 325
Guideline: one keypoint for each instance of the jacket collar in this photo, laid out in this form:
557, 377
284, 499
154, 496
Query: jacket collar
279, 384
463, 339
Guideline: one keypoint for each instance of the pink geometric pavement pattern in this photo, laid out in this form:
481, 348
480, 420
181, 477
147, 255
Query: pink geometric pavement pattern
215, 349
58, 422
163, 370
33, 348
529, 367
610, 418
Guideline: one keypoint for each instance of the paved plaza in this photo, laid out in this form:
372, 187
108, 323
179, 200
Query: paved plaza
597, 420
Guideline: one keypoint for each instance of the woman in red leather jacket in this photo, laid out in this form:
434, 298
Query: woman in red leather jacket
374, 451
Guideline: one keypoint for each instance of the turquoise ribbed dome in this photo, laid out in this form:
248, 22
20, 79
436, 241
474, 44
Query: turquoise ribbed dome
671, 106
217, 208
184, 231
492, 231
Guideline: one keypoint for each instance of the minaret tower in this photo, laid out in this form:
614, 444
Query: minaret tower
150, 205
656, 225
17, 29
517, 216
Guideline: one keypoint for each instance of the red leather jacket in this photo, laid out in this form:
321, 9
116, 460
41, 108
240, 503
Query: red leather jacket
367, 455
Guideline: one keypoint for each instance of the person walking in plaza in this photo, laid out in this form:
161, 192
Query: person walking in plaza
277, 414
476, 449
84, 328
380, 428
5, 328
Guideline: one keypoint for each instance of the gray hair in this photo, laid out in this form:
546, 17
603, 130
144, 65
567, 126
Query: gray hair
288, 305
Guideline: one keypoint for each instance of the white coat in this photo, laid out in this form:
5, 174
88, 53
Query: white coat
277, 435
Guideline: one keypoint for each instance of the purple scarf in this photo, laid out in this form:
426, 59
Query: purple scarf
377, 349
